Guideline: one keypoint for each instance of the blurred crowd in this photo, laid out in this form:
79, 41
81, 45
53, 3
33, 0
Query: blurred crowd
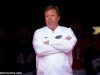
17, 53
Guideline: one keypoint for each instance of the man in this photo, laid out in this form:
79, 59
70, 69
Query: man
53, 45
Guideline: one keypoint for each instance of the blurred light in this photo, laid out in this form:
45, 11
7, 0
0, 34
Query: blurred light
96, 30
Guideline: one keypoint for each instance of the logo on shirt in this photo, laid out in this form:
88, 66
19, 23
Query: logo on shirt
58, 36
46, 37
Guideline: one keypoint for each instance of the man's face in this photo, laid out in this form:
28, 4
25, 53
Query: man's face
51, 18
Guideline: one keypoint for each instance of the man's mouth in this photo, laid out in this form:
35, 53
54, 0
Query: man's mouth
50, 21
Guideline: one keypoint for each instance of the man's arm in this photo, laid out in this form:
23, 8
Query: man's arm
65, 44
40, 46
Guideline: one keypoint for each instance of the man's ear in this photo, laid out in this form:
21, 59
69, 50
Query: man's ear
58, 18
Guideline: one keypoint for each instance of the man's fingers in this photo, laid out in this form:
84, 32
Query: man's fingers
46, 42
68, 37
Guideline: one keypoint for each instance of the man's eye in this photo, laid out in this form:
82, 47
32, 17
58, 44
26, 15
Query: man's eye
52, 15
46, 15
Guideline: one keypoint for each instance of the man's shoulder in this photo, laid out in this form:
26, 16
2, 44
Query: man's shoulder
40, 29
63, 27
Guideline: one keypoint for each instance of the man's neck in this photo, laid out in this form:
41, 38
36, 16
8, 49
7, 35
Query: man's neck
53, 29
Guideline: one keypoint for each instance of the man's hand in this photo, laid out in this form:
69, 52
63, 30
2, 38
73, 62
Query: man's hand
68, 37
46, 42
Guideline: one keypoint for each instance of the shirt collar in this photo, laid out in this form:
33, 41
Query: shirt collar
57, 28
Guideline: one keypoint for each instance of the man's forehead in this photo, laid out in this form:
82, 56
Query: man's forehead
50, 10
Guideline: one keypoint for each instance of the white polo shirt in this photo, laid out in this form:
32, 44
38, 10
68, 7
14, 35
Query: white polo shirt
55, 58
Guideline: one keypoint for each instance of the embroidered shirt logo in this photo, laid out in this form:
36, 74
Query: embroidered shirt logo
46, 37
58, 36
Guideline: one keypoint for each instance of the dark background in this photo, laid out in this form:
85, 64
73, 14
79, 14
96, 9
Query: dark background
28, 17
31, 12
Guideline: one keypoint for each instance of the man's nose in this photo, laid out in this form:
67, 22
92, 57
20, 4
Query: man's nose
49, 18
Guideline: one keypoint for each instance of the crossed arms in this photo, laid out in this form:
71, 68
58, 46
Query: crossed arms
52, 46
